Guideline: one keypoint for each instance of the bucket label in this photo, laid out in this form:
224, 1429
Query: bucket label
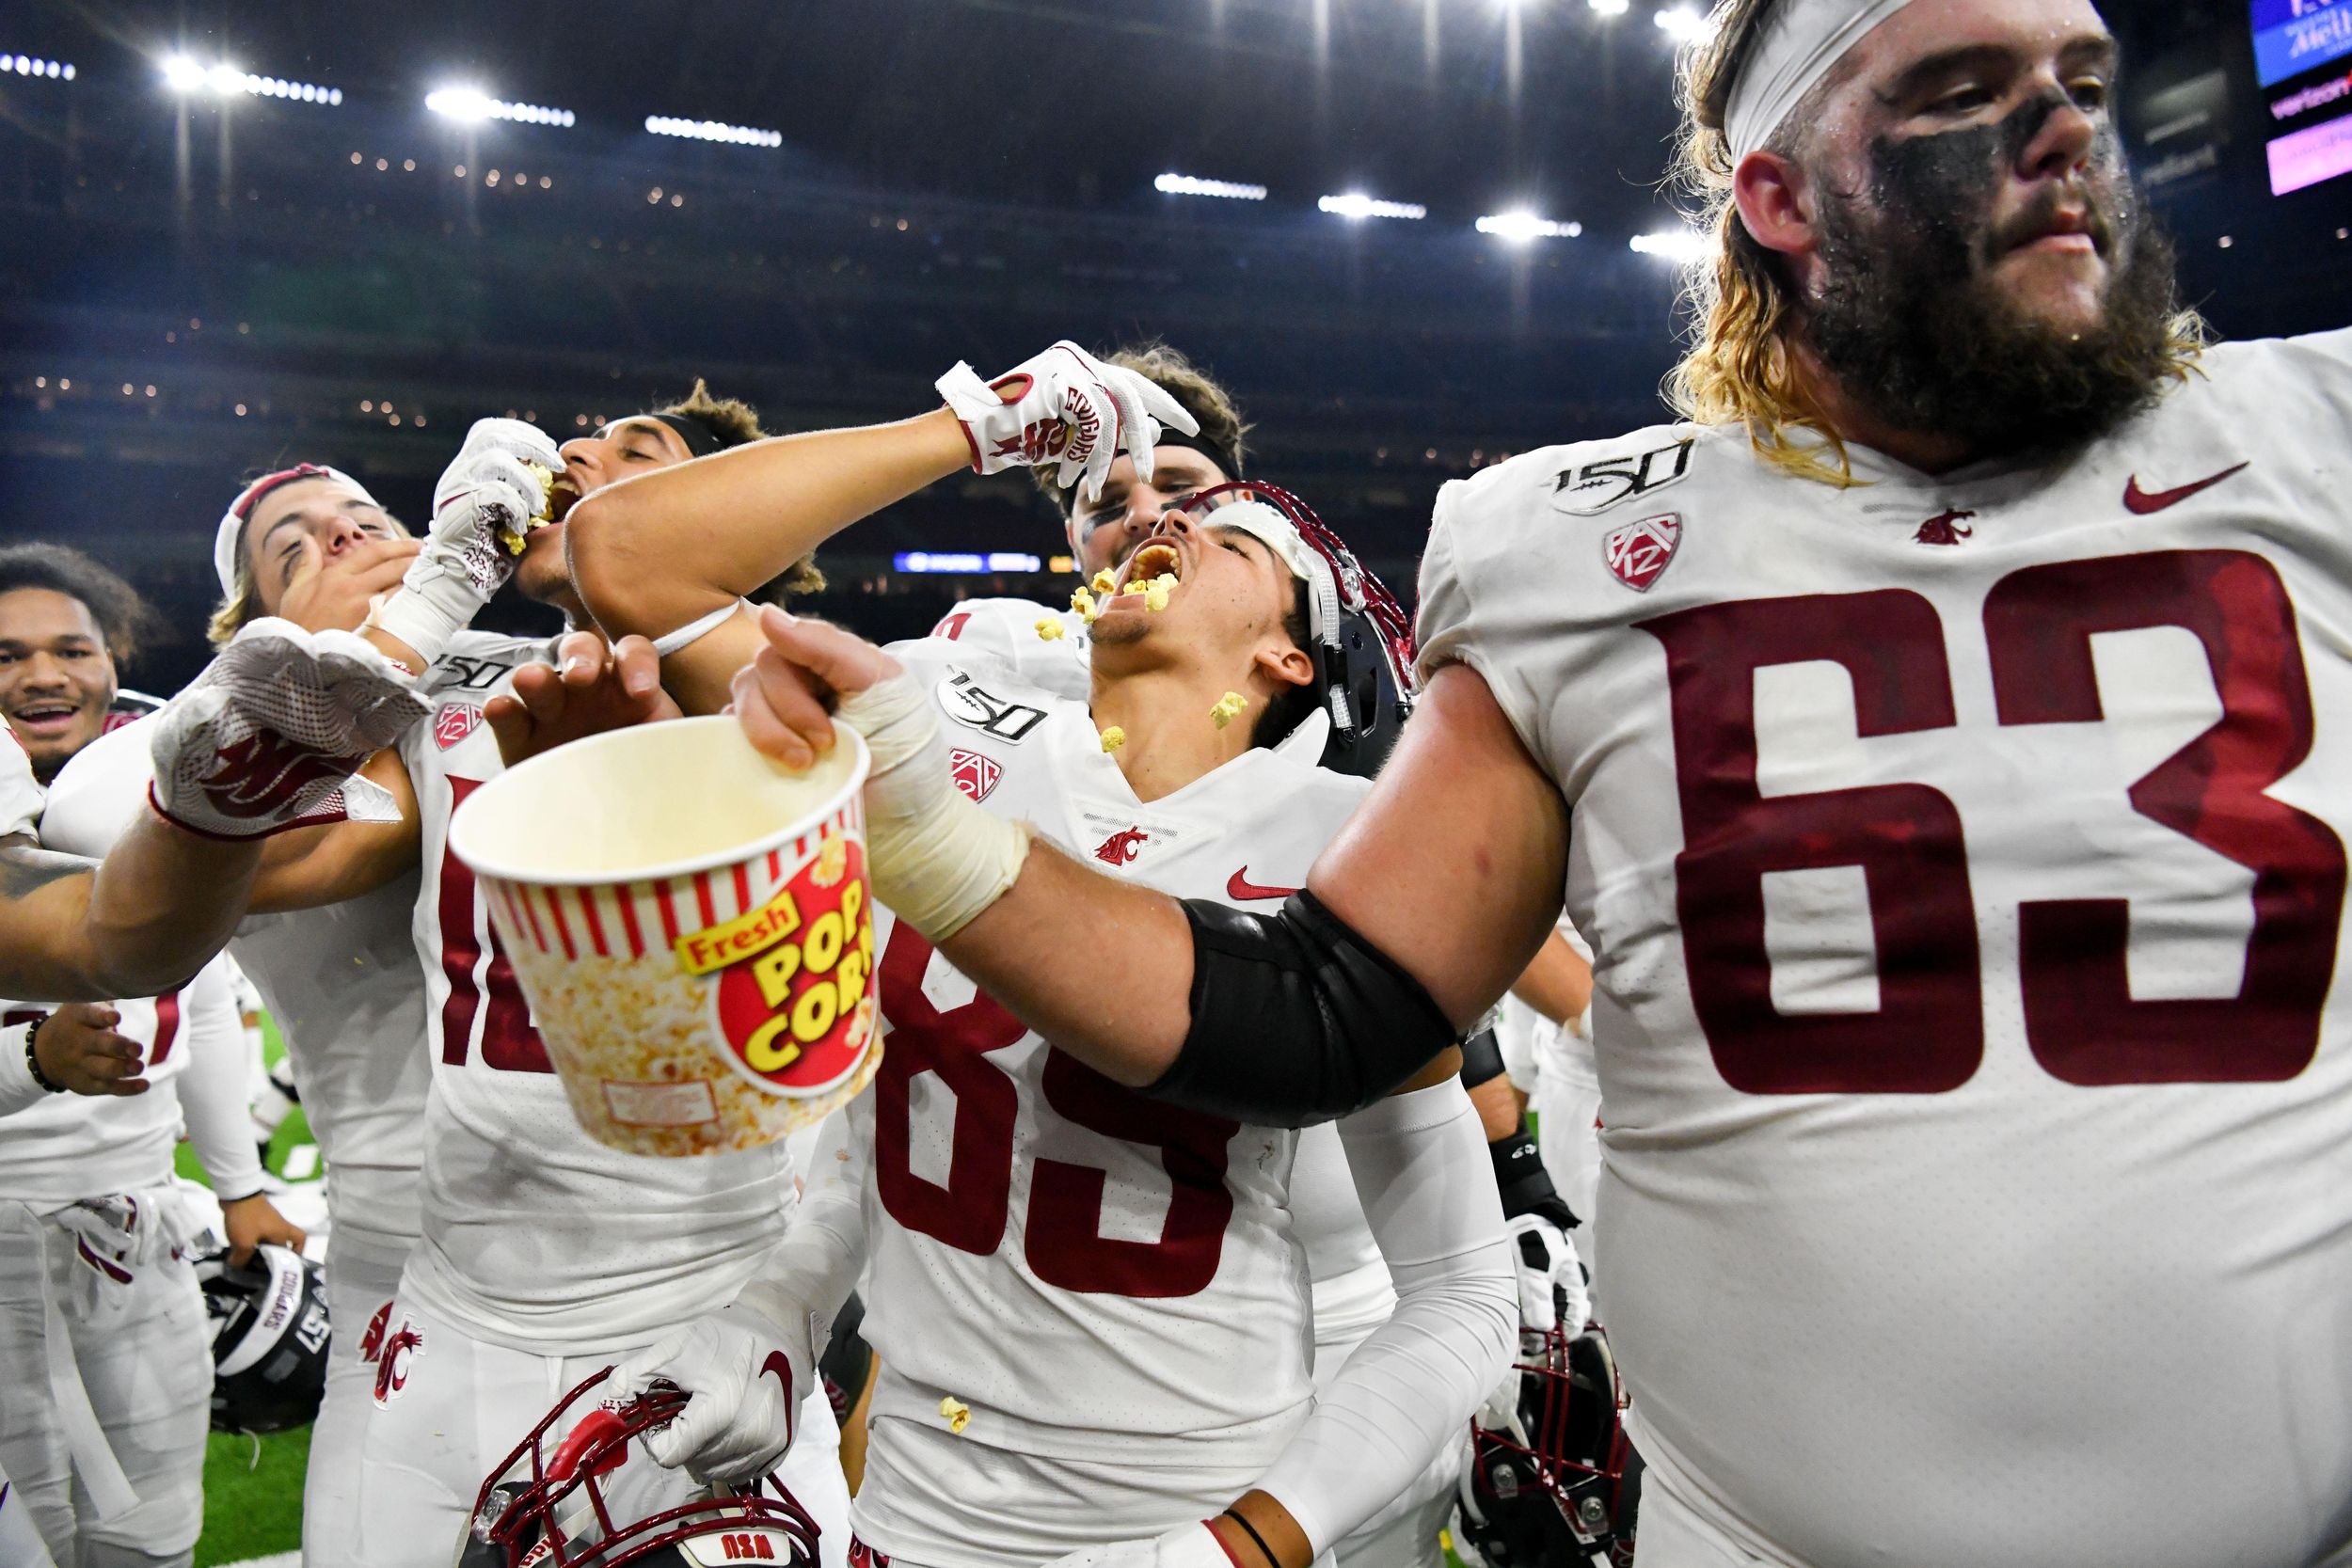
795, 976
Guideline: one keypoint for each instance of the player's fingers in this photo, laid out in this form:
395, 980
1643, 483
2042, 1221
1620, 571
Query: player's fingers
541, 693
1161, 406
770, 735
1141, 432
792, 696
125, 1087
581, 658
511, 724
639, 665
841, 660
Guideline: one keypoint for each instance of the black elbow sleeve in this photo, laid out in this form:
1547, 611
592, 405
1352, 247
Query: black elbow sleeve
1296, 1019
1482, 1059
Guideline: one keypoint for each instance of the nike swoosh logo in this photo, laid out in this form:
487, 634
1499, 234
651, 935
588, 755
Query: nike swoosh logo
2141, 503
1242, 887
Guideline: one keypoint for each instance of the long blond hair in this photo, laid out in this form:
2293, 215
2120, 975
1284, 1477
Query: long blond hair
1737, 367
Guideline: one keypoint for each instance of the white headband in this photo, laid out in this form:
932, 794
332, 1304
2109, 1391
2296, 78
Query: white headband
228, 540
1801, 44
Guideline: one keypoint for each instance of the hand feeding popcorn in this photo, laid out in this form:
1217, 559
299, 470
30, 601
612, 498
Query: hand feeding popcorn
1228, 707
514, 538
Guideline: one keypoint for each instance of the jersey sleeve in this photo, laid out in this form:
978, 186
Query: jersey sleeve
99, 795
1003, 634
215, 1087
19, 793
1464, 617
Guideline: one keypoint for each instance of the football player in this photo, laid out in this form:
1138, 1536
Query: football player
1105, 1337
67, 627
1949, 714
541, 1252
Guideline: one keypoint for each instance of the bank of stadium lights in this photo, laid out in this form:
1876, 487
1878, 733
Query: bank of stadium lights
1678, 246
472, 106
1609, 7
935, 561
1185, 185
1680, 23
1355, 207
185, 74
711, 130
26, 64
1521, 227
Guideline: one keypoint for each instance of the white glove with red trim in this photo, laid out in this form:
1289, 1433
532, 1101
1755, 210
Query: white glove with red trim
1185, 1546
1064, 407
270, 735
747, 1374
487, 499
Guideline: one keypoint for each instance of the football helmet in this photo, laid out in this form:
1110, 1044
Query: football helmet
544, 1506
270, 1337
1559, 1484
1363, 640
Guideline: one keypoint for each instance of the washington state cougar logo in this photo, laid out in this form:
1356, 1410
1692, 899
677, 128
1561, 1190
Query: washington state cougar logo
974, 774
1944, 527
1639, 552
1122, 846
265, 773
372, 1342
452, 723
391, 1367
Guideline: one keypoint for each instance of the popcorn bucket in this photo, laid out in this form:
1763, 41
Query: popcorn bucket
692, 925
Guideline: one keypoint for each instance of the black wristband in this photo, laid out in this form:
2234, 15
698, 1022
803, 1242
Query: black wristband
1526, 1186
32, 1057
1252, 1531
1482, 1059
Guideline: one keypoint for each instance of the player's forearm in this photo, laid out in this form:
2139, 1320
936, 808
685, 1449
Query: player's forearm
214, 1087
165, 900
1125, 1010
1558, 983
656, 552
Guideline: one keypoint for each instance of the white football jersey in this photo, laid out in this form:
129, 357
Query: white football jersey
1095, 1277
67, 1147
341, 982
535, 1236
20, 792
1965, 860
1006, 632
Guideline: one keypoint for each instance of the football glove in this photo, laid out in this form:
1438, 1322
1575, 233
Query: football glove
1067, 408
747, 1373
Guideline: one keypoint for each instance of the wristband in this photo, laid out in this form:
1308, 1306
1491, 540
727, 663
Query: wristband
32, 1058
1259, 1541
1526, 1186
694, 631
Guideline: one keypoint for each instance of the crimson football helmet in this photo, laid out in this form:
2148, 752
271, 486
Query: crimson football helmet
1561, 1484
550, 1511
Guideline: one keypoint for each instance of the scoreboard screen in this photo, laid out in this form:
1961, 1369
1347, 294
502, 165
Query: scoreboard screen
2303, 60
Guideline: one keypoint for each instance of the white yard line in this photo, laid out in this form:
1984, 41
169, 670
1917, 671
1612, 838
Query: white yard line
281, 1559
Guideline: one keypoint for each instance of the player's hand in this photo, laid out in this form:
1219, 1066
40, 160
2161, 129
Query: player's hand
784, 698
1551, 1277
335, 594
486, 497
747, 1375
254, 1221
1185, 1546
1064, 407
592, 686
77, 1047
273, 729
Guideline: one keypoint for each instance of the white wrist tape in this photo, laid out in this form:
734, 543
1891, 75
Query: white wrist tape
428, 610
937, 860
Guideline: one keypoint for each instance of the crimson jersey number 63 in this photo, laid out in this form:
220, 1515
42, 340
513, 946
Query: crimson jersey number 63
2081, 1021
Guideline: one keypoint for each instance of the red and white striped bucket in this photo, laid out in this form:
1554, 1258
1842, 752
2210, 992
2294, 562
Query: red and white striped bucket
692, 926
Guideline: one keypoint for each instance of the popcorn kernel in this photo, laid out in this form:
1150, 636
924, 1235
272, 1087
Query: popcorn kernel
1114, 738
959, 1414
1049, 630
1105, 583
1228, 707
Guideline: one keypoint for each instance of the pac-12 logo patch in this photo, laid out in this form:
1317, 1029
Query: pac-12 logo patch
1638, 552
1595, 487
974, 774
454, 722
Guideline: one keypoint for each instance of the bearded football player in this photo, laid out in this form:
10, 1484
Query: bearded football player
1948, 713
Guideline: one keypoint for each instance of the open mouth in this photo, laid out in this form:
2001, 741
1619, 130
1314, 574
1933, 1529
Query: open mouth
1154, 560
46, 717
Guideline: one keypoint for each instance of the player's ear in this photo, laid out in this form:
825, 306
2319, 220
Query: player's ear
1776, 201
1284, 662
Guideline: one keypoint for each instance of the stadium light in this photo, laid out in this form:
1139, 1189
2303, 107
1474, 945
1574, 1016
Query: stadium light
26, 64
1680, 23
1185, 184
1678, 246
1610, 7
182, 74
1520, 227
936, 560
185, 74
711, 130
1355, 207
472, 106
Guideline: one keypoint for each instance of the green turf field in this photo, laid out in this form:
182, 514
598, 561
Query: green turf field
253, 1486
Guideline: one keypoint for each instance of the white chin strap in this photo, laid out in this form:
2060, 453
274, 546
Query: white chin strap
1803, 39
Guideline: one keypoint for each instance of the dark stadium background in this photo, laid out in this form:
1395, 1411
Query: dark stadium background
232, 283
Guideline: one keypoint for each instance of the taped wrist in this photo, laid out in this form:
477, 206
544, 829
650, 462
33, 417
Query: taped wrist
427, 610
1295, 1017
1526, 1186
